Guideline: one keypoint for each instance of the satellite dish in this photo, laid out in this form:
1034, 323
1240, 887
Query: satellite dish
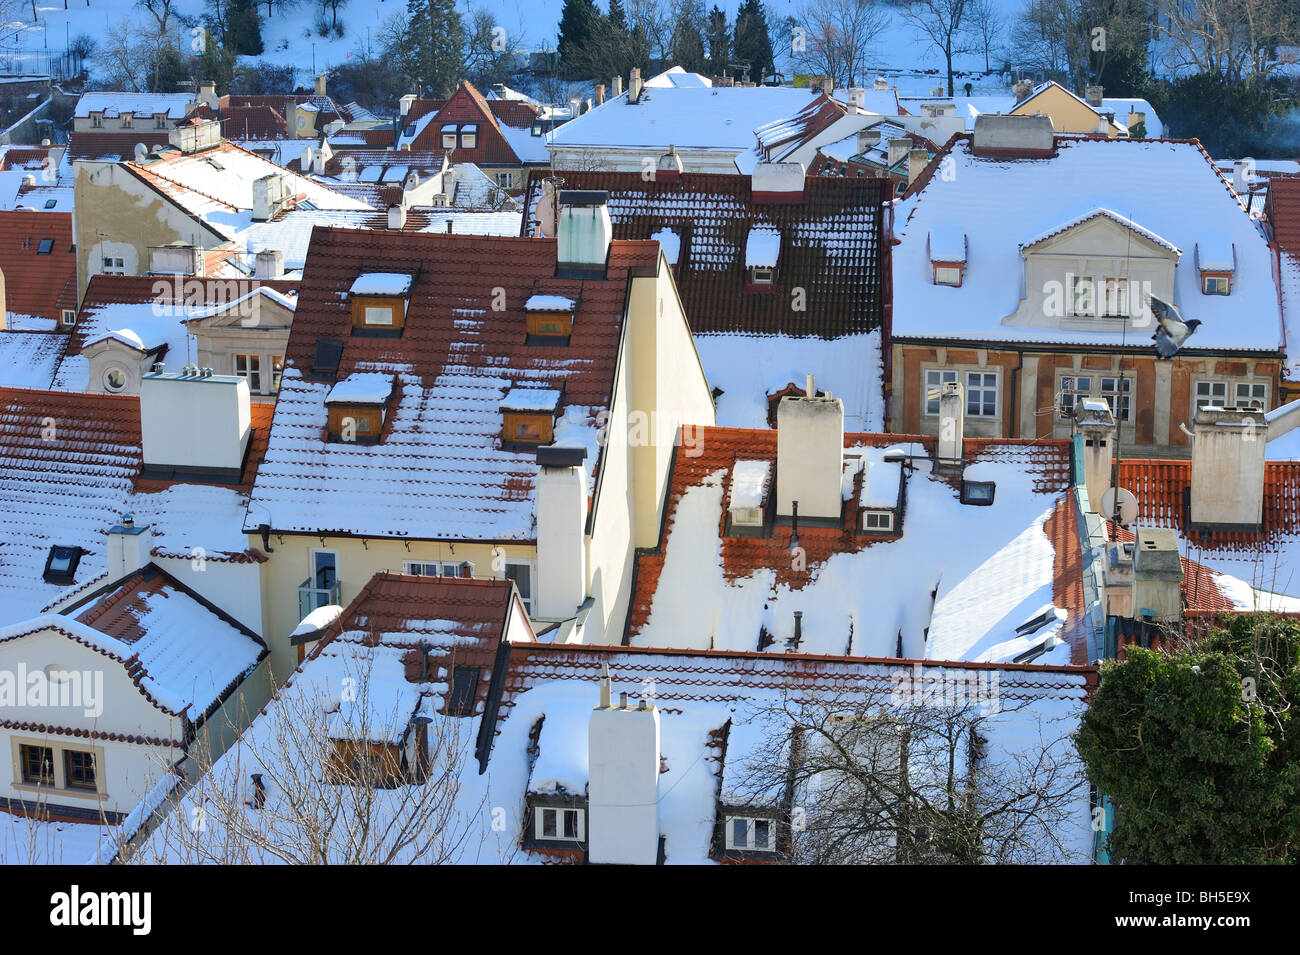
1127, 504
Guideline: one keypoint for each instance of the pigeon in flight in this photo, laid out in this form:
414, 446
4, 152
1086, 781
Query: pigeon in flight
1173, 331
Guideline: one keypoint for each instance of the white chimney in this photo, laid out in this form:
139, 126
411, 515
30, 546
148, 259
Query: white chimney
585, 232
405, 103
1096, 425
899, 147
1157, 575
618, 86
268, 264
561, 533
952, 424
917, 160
176, 260
622, 782
1228, 454
599, 98
857, 97
634, 85
1243, 170
809, 456
396, 217
208, 94
194, 423
129, 547
773, 183
195, 135
867, 138
269, 195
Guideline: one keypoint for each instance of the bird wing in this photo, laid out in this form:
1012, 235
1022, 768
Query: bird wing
1163, 310
1166, 347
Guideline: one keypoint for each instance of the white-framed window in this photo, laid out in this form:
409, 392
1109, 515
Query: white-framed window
747, 517
249, 367
762, 275
438, 568
506, 180
1215, 284
159, 120
750, 834
1211, 393
1118, 392
522, 573
126, 120
324, 568
1251, 394
114, 265
1116, 302
379, 315
468, 137
935, 379
449, 137
1073, 391
947, 275
68, 317
559, 824
878, 520
114, 380
97, 120
1082, 291
982, 394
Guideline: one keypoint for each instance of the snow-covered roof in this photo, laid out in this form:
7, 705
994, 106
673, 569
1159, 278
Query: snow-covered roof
531, 399
749, 482
362, 388
1093, 214
1123, 107
762, 248
29, 359
956, 577
550, 303
112, 104
1214, 254
689, 117
947, 245
381, 283
1170, 190
455, 362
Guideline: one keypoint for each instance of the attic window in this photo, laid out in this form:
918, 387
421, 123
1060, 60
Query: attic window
1216, 260
528, 416
449, 137
379, 301
877, 522
559, 824
978, 492
1214, 284
469, 136
762, 252
750, 481
68, 316
358, 406
61, 564
947, 256
948, 274
326, 364
51, 203
464, 684
549, 319
126, 120
750, 834
45, 247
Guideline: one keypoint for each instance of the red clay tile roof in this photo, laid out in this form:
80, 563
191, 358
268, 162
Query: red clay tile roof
247, 122
467, 105
718, 449
96, 144
780, 136
1284, 212
831, 247
34, 281
454, 361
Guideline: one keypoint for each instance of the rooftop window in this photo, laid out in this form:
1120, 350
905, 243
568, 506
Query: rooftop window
61, 564
45, 247
379, 301
528, 416
329, 351
358, 407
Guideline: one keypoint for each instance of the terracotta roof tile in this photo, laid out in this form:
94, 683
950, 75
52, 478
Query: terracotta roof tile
1284, 212
97, 144
831, 247
34, 281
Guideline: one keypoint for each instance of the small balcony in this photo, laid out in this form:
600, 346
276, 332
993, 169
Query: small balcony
313, 598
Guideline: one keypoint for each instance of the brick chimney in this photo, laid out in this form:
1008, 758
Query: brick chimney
320, 85
670, 166
810, 456
600, 94
1022, 90
777, 183
917, 160
622, 781
618, 85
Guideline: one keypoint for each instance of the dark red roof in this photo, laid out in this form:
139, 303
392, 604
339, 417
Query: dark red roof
831, 247
34, 281
467, 105
1284, 213
95, 144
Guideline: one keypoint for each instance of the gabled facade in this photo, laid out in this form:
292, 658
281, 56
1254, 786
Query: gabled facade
1023, 275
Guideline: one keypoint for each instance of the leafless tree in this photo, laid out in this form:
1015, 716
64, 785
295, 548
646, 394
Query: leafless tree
1239, 39
293, 790
867, 779
160, 10
945, 24
838, 37
988, 27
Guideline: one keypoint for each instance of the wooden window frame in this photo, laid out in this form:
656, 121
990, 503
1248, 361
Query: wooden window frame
23, 757
543, 423
395, 304
68, 755
368, 422
959, 267
539, 324
1208, 277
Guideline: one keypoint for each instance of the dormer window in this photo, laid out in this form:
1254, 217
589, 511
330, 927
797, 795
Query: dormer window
126, 120
747, 511
469, 136
947, 256
358, 407
68, 317
449, 137
528, 417
549, 319
159, 120
97, 120
555, 821
750, 834
762, 254
379, 301
880, 502
1216, 261
61, 564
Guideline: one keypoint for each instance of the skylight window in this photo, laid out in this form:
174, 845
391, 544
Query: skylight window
61, 564
326, 364
978, 492
51, 203
46, 246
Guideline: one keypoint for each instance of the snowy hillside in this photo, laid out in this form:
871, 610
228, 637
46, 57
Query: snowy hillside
289, 36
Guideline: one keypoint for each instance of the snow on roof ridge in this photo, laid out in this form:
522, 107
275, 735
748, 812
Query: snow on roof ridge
1110, 214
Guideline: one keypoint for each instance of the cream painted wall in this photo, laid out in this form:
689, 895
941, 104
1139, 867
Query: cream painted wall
118, 215
1069, 115
234, 587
